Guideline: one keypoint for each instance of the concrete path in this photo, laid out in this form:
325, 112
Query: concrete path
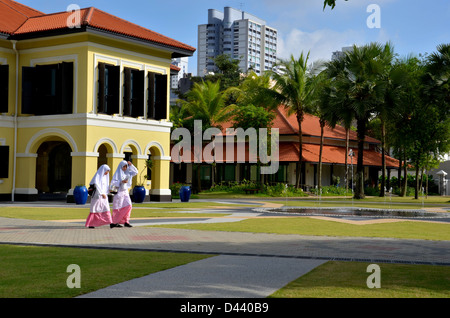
248, 264
221, 276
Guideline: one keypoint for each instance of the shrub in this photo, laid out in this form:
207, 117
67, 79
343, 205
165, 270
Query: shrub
332, 190
175, 188
275, 190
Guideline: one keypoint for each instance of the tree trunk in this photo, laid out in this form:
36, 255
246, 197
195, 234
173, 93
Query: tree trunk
399, 174
347, 142
359, 189
199, 181
322, 124
405, 175
300, 152
383, 160
416, 191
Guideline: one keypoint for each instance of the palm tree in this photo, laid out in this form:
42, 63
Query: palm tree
205, 102
296, 88
254, 90
388, 104
335, 104
359, 88
406, 73
254, 107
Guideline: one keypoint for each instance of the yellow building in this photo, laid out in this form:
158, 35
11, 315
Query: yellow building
79, 89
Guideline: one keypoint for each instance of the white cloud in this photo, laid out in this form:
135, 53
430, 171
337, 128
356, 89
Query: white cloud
320, 43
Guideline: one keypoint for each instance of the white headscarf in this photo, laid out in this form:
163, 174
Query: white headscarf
121, 175
100, 180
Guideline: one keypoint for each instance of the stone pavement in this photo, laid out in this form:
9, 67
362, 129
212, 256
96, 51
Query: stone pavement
248, 265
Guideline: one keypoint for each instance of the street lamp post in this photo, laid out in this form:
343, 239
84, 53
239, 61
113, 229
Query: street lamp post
351, 154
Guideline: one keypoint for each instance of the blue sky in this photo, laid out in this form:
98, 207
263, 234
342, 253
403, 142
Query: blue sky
413, 26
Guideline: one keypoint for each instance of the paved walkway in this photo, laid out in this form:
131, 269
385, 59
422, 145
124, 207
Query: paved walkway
248, 265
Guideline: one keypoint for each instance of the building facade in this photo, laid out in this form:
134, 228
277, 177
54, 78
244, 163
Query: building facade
76, 97
334, 159
240, 35
182, 64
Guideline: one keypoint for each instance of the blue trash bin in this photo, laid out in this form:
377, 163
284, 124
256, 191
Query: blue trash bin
80, 195
185, 193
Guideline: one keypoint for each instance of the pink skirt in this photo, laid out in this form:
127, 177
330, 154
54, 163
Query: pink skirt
122, 215
98, 219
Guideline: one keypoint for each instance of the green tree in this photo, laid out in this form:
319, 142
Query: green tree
387, 105
228, 72
208, 103
431, 123
254, 90
296, 88
330, 3
407, 72
335, 103
359, 87
250, 116
254, 106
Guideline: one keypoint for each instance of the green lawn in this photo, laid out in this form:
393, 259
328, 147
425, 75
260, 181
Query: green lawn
38, 213
41, 272
370, 202
308, 226
30, 272
348, 280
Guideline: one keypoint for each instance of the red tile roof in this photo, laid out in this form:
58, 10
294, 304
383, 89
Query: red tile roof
175, 68
288, 152
29, 21
311, 127
13, 15
288, 125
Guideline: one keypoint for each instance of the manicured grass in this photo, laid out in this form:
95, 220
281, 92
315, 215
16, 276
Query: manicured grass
309, 226
348, 280
189, 205
371, 202
50, 213
369, 205
29, 272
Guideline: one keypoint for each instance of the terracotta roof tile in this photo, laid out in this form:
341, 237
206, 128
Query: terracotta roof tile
311, 127
288, 152
287, 125
13, 15
17, 19
330, 155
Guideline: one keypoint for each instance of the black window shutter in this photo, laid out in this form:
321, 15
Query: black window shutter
4, 88
101, 88
4, 161
28, 90
137, 102
66, 71
161, 97
151, 95
48, 87
127, 92
113, 90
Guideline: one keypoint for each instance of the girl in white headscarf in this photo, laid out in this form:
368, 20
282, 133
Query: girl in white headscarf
122, 202
100, 213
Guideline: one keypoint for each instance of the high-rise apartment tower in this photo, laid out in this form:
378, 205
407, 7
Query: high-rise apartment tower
240, 35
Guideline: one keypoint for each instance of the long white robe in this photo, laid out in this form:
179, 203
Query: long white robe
122, 202
99, 209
